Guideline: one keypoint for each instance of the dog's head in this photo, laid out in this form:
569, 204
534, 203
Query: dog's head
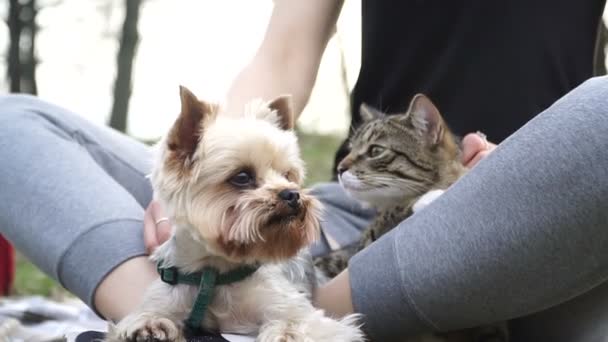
235, 182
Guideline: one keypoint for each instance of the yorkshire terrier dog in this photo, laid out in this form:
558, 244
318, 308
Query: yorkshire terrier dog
237, 260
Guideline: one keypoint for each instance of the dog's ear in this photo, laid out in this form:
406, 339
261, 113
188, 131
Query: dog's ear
186, 132
283, 105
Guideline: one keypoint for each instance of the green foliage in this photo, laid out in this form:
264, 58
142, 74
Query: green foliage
318, 152
29, 280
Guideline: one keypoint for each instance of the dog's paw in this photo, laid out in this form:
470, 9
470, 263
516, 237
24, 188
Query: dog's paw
146, 329
350, 329
279, 331
154, 329
314, 328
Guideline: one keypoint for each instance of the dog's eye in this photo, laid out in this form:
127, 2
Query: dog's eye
287, 175
375, 150
242, 179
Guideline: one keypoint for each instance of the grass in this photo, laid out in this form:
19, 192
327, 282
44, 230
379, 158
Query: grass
317, 151
29, 280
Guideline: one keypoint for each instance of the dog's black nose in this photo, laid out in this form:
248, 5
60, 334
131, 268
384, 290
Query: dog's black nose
341, 169
292, 197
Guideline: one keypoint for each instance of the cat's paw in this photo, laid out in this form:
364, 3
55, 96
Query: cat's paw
426, 199
146, 328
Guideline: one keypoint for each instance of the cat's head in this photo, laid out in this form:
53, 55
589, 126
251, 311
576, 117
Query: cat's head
400, 156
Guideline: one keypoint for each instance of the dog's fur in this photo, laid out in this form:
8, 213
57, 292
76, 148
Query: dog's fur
219, 222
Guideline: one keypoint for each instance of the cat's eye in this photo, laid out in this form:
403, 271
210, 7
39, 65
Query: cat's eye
242, 179
375, 150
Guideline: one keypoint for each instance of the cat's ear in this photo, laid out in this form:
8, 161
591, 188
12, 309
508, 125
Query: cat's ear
283, 105
426, 119
185, 133
369, 113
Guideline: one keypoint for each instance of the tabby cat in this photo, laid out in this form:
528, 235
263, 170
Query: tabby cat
398, 164
394, 160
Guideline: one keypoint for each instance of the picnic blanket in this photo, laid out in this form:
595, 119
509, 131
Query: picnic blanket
38, 319
41, 320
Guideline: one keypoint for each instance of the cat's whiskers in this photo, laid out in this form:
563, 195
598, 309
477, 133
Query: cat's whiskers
406, 186
387, 181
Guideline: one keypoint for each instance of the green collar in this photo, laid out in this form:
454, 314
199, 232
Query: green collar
206, 279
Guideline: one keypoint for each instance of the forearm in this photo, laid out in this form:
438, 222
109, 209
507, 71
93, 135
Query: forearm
265, 79
122, 290
525, 230
288, 58
335, 297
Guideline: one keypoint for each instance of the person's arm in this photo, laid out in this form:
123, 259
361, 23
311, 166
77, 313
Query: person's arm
335, 296
524, 230
122, 290
289, 56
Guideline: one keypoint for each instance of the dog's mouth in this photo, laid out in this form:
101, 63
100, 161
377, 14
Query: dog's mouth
282, 219
284, 214
270, 231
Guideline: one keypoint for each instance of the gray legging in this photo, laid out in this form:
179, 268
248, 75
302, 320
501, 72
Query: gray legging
523, 236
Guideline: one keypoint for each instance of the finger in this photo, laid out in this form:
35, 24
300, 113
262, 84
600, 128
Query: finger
472, 145
479, 156
164, 227
150, 239
163, 231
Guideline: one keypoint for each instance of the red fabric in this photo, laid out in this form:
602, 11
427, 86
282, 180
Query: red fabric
7, 266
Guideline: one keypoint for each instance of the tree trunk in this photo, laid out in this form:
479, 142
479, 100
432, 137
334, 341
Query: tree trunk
599, 66
124, 66
22, 48
28, 57
14, 63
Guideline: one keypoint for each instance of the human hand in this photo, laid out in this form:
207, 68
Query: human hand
475, 147
157, 227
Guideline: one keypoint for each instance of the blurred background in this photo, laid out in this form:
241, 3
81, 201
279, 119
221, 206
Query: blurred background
70, 52
119, 62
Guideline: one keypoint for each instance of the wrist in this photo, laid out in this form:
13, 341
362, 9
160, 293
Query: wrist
122, 290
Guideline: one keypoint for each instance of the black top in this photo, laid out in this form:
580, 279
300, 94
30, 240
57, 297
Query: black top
487, 65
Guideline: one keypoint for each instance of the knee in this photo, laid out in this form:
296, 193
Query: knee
587, 104
16, 107
598, 81
594, 91
19, 117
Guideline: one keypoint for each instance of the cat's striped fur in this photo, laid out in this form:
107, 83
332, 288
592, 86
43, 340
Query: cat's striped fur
393, 161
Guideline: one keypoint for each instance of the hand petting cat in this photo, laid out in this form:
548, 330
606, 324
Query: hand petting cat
475, 147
